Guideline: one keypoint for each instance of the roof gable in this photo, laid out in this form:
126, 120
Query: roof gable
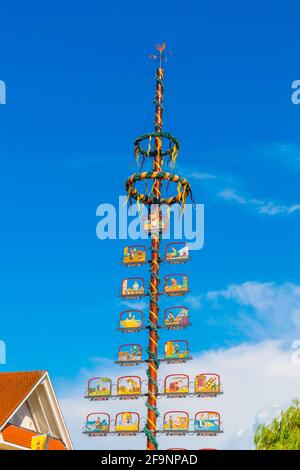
14, 388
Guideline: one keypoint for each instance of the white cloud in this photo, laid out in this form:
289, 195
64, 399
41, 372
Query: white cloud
258, 381
194, 301
136, 304
259, 205
201, 176
287, 153
265, 310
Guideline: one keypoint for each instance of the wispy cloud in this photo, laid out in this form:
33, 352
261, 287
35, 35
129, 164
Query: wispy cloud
136, 304
202, 176
228, 187
193, 301
285, 152
259, 205
259, 310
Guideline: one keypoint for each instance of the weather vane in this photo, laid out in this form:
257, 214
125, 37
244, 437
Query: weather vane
161, 57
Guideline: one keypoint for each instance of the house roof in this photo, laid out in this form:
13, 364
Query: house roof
14, 388
22, 437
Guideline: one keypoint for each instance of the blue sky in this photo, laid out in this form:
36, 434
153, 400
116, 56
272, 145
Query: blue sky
79, 90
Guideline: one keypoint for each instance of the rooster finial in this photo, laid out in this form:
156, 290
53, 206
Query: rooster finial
160, 47
161, 57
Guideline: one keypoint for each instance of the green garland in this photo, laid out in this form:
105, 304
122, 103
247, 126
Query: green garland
152, 153
161, 176
150, 436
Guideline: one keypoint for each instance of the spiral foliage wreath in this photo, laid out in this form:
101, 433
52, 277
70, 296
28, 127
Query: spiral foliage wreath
183, 188
174, 144
149, 152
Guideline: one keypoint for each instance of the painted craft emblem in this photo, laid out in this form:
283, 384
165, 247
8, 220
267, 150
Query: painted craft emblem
133, 287
127, 422
176, 317
131, 319
176, 284
176, 349
97, 423
154, 223
176, 384
176, 421
207, 421
130, 353
207, 383
99, 387
129, 385
177, 252
134, 255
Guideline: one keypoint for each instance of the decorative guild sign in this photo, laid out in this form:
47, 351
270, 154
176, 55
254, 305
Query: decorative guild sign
207, 422
154, 223
99, 388
130, 354
129, 385
134, 255
127, 422
133, 287
131, 320
177, 252
176, 384
176, 284
97, 424
176, 350
207, 384
176, 422
176, 318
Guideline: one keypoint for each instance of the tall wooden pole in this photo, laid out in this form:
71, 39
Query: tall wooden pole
154, 281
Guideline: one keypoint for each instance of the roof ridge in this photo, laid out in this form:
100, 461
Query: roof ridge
41, 371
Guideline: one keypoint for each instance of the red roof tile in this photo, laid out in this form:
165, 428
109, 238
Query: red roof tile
14, 387
22, 437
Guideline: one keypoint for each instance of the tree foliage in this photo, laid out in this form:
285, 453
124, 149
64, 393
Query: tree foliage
283, 433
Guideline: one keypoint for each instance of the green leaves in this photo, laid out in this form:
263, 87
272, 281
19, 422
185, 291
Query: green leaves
283, 433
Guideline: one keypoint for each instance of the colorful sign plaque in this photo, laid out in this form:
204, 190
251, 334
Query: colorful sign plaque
127, 421
99, 387
134, 255
97, 423
133, 287
154, 223
176, 284
129, 385
207, 383
177, 252
176, 421
130, 353
131, 320
207, 422
176, 317
176, 350
176, 384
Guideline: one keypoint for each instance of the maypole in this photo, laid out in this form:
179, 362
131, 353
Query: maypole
154, 269
160, 145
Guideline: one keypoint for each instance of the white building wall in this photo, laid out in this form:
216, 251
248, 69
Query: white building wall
23, 418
